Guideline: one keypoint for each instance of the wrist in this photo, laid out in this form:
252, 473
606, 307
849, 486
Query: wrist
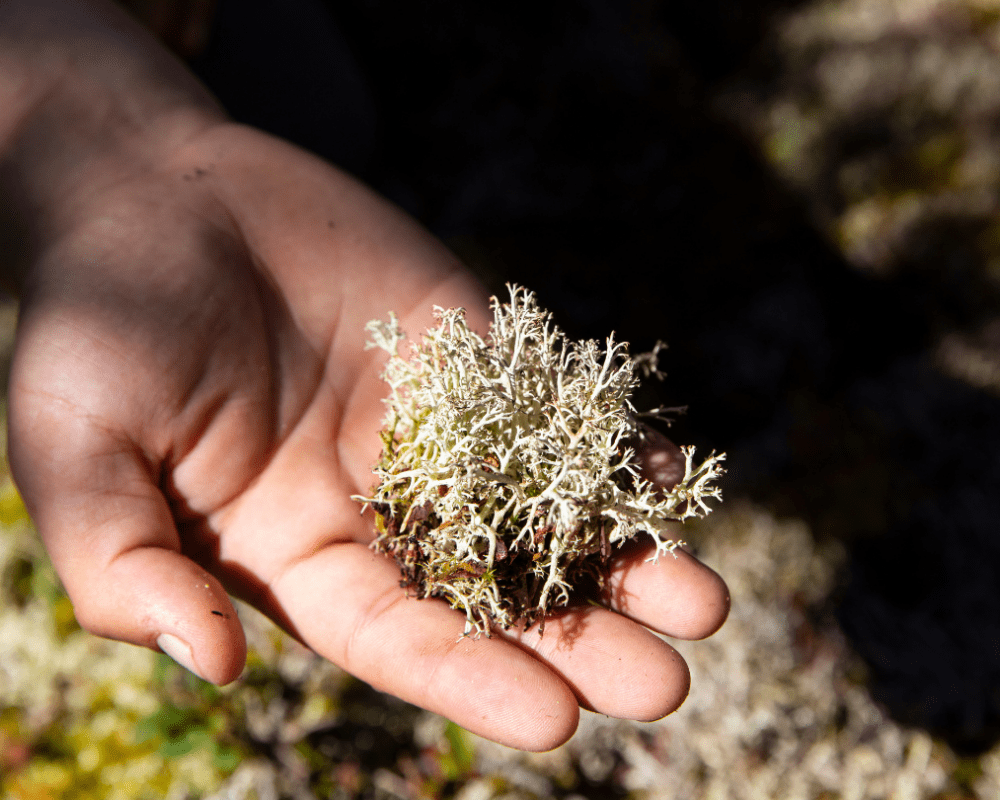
87, 99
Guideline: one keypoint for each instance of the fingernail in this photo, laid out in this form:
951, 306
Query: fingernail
179, 651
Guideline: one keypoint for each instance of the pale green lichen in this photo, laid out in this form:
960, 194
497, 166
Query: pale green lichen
508, 472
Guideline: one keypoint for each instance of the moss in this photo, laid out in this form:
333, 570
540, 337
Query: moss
509, 470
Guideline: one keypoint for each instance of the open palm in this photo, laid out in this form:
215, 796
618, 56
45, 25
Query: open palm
192, 407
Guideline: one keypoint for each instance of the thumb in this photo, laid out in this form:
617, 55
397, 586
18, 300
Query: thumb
112, 539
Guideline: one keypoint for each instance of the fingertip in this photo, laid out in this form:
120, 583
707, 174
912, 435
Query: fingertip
715, 610
659, 459
710, 601
672, 692
550, 724
556, 736
215, 652
614, 665
676, 594
486, 685
661, 683
157, 598
707, 594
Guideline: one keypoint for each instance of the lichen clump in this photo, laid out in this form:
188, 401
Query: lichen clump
508, 472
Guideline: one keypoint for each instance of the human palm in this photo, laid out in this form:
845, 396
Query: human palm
192, 407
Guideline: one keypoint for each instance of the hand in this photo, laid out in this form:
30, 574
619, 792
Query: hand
192, 407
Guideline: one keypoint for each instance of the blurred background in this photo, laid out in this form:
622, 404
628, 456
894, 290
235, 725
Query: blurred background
803, 199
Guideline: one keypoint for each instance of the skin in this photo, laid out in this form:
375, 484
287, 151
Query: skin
191, 405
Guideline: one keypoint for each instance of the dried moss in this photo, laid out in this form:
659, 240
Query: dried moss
508, 470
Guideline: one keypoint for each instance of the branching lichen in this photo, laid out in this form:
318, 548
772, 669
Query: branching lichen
508, 470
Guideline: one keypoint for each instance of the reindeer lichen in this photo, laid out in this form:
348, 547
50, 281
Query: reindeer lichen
508, 471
